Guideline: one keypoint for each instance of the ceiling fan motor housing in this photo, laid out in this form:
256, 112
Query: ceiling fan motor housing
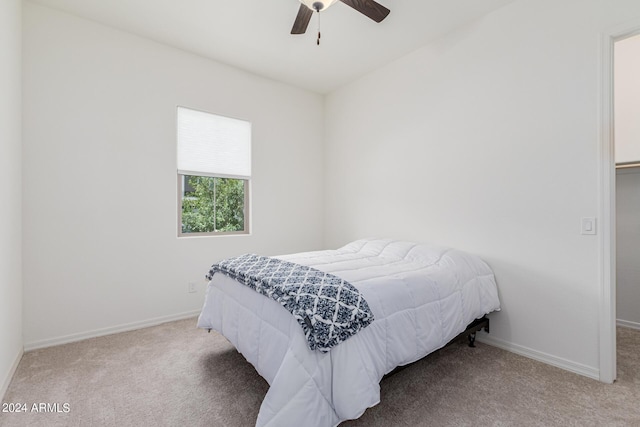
318, 5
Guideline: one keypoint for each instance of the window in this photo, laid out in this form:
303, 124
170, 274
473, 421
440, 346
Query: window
214, 173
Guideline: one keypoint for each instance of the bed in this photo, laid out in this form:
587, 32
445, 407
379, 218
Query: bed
421, 296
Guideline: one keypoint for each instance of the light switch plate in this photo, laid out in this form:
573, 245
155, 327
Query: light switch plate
588, 225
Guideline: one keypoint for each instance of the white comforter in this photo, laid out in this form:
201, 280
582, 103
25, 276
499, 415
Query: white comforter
421, 295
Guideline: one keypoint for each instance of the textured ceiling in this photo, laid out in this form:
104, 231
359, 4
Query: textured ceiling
254, 35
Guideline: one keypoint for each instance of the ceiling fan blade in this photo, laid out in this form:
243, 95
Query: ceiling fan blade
370, 8
302, 20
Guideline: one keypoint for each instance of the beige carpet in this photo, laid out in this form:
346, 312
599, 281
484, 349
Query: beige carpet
177, 375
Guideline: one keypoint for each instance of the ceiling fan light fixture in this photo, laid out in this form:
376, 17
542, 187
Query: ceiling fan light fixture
318, 5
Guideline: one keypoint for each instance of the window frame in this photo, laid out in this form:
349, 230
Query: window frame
246, 210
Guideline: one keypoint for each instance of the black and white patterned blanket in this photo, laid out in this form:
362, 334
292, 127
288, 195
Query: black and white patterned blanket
329, 309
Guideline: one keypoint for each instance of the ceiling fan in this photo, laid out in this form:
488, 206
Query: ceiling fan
369, 8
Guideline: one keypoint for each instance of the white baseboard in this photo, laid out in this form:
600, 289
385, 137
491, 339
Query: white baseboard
628, 324
34, 345
7, 380
549, 359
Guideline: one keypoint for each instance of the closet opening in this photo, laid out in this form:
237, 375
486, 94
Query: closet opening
619, 236
626, 107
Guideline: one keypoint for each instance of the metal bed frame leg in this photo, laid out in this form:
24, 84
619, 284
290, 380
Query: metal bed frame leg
472, 339
478, 325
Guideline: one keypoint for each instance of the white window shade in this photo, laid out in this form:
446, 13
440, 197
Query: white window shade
213, 145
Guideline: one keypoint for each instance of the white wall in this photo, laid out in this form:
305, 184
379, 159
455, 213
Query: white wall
628, 246
10, 191
100, 242
627, 99
487, 140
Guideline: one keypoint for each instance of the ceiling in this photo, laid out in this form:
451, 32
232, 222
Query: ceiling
254, 34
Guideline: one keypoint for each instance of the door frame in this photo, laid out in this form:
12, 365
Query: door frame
607, 196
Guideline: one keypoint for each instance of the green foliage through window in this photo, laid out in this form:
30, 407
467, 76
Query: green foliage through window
212, 204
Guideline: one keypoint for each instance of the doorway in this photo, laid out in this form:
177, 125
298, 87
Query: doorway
609, 158
627, 157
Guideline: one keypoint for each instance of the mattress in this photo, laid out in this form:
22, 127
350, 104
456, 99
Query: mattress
421, 297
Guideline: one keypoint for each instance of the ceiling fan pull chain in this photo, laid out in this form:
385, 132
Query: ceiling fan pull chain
318, 40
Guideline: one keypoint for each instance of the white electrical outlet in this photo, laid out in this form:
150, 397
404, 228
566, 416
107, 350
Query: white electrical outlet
192, 287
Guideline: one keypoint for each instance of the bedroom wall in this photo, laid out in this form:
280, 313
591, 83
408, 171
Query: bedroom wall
101, 252
487, 140
10, 194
